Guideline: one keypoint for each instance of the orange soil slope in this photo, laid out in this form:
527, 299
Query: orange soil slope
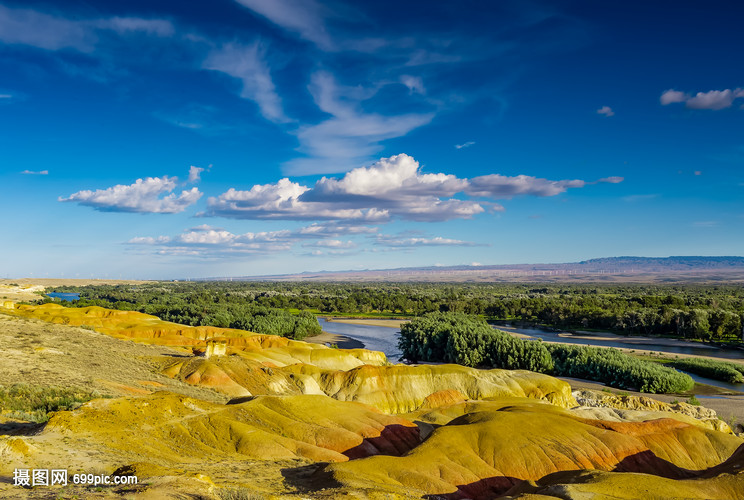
496, 445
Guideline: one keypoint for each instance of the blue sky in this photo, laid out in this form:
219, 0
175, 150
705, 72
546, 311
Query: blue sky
166, 139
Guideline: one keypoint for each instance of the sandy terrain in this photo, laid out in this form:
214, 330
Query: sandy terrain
341, 341
389, 323
46, 354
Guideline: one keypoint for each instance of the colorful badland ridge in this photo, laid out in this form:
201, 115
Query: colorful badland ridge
309, 420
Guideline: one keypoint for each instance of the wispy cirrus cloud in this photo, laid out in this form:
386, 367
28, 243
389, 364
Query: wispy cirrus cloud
393, 187
303, 17
35, 172
606, 111
246, 63
350, 136
712, 100
207, 241
406, 242
464, 145
45, 31
149, 195
214, 242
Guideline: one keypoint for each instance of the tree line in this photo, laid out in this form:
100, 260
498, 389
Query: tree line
706, 312
470, 341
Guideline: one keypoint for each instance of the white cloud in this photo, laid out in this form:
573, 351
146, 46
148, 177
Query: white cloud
671, 96
337, 244
414, 84
606, 111
350, 137
392, 187
398, 241
712, 100
149, 240
304, 17
333, 229
195, 174
32, 172
612, 180
44, 31
464, 145
209, 241
500, 186
124, 25
144, 196
28, 27
246, 62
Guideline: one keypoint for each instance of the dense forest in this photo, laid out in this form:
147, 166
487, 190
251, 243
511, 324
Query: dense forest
706, 312
470, 341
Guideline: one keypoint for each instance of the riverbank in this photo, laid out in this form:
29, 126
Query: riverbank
387, 323
729, 408
342, 341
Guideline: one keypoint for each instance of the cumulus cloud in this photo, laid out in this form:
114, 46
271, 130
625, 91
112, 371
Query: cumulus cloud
351, 136
144, 196
712, 100
393, 187
464, 145
606, 111
195, 174
671, 96
38, 172
246, 63
390, 187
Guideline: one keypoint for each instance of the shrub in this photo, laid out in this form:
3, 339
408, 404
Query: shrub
717, 370
617, 369
470, 341
34, 403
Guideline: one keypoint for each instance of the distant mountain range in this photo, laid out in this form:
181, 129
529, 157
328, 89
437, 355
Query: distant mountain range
609, 269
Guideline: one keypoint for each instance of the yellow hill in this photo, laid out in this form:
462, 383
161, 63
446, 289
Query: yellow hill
499, 444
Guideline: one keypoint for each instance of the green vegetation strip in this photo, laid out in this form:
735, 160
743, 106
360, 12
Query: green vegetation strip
717, 370
35, 403
701, 312
470, 341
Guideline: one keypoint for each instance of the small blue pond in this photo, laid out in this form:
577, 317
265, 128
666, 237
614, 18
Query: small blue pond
68, 297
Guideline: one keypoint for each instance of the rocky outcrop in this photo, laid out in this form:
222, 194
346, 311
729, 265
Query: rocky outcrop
634, 408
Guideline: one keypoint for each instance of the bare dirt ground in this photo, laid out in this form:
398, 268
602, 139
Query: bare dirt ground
342, 341
45, 354
388, 323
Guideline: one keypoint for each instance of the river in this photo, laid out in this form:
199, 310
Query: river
385, 339
376, 338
